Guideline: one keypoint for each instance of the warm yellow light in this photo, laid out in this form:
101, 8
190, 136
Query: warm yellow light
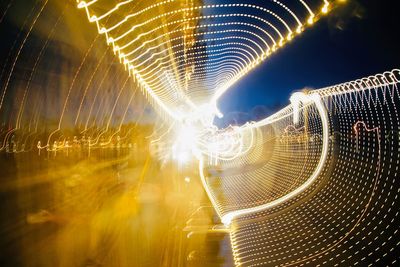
325, 8
183, 157
310, 20
185, 144
146, 69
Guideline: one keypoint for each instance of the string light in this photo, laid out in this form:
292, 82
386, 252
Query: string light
156, 52
316, 181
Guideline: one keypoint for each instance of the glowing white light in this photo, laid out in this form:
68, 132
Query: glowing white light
185, 144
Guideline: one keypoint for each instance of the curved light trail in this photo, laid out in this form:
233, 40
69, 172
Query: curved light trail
316, 183
164, 39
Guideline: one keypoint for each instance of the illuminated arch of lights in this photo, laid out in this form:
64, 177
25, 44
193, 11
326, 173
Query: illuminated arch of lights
352, 197
264, 167
317, 180
186, 58
166, 46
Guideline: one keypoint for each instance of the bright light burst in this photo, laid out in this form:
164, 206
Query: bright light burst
185, 57
318, 175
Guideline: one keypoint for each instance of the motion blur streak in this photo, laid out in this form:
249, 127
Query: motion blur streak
110, 154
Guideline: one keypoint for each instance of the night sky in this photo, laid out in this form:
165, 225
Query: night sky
356, 40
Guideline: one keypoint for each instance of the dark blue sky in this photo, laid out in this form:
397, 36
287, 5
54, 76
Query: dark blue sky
356, 40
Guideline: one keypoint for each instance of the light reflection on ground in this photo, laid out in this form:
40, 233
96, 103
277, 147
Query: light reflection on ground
104, 210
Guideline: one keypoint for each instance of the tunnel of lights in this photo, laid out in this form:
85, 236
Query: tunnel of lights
314, 183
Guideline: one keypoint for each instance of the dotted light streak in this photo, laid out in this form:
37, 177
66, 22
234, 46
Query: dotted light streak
348, 233
197, 87
363, 167
230, 143
3, 94
19, 52
297, 98
111, 113
37, 60
370, 83
12, 136
158, 91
